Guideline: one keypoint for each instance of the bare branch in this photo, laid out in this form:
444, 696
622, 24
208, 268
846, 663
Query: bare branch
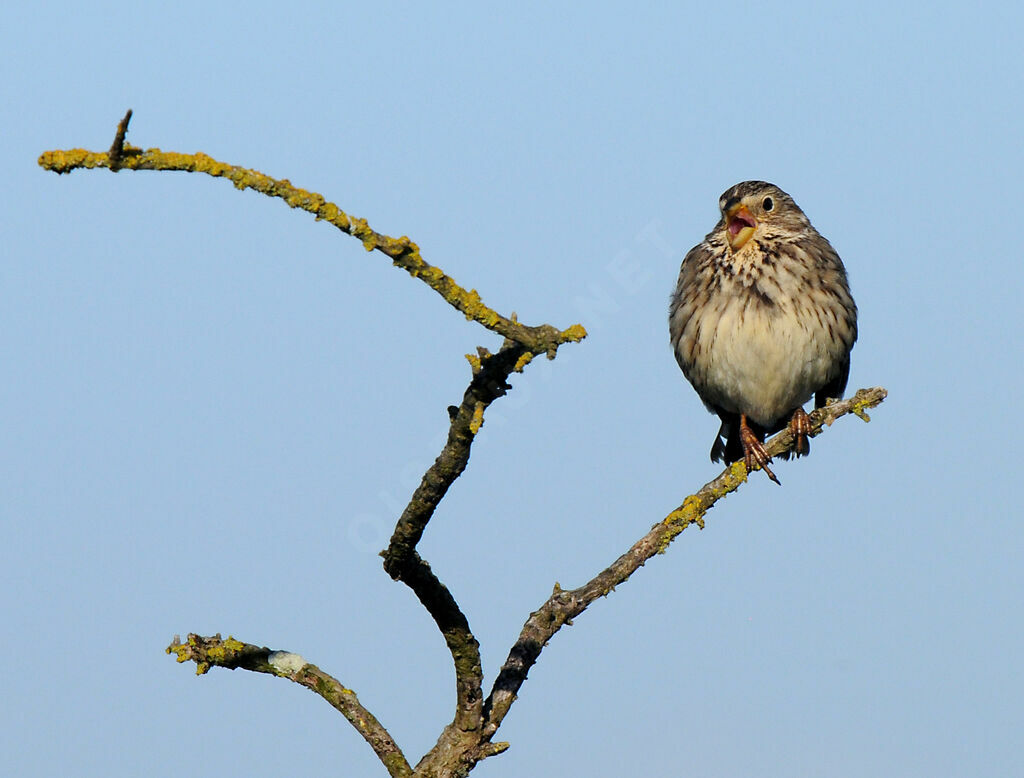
402, 251
562, 605
489, 382
490, 375
232, 654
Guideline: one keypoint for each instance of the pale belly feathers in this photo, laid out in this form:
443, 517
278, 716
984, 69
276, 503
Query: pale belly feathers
761, 360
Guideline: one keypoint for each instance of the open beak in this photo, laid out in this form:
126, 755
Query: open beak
739, 226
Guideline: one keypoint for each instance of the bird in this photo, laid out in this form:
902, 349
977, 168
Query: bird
761, 320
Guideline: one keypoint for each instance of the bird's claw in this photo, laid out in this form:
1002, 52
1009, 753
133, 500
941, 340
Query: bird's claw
754, 451
800, 426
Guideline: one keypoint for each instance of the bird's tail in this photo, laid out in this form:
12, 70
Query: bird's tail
727, 447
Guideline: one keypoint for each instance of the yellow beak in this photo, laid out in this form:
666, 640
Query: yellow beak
739, 226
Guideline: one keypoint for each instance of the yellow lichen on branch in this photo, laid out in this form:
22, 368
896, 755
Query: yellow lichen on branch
478, 418
522, 362
574, 334
696, 505
403, 252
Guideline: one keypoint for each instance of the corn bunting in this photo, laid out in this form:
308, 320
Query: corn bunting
762, 319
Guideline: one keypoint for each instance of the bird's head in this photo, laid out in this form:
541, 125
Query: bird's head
751, 204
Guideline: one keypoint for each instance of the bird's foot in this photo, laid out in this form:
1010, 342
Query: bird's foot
800, 426
754, 451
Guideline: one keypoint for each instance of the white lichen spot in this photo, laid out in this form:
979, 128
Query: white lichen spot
285, 662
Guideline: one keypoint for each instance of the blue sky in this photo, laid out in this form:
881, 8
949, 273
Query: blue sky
214, 407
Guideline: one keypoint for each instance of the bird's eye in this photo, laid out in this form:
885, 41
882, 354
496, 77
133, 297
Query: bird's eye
767, 203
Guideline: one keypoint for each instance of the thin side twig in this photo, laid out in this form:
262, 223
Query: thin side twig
117, 148
232, 654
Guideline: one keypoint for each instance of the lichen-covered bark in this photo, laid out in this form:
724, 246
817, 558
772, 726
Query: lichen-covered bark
402, 251
233, 654
564, 605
